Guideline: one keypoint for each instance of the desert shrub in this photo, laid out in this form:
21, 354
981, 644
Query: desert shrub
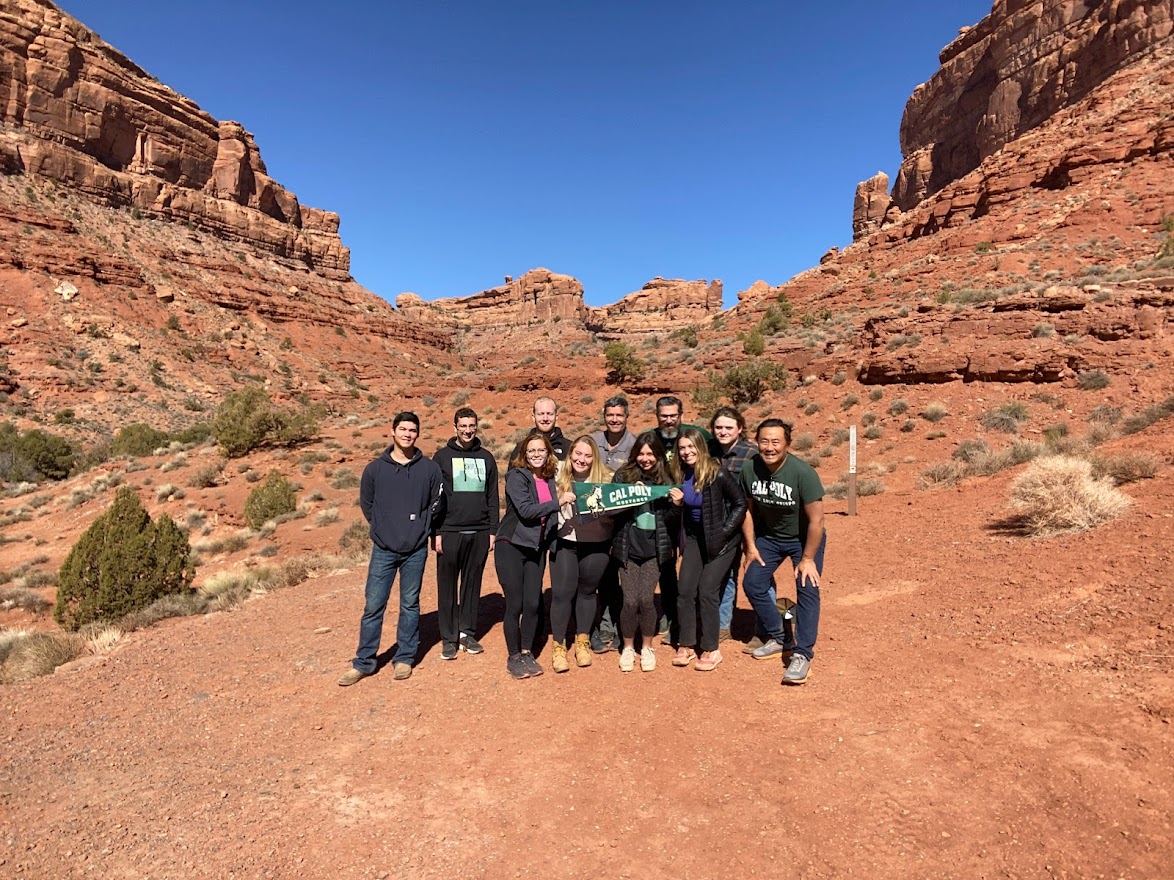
1043, 330
839, 377
1126, 467
944, 473
753, 343
1092, 380
908, 426
623, 364
1006, 417
247, 420
1058, 493
327, 516
868, 419
274, 497
183, 604
811, 409
687, 336
27, 456
747, 382
356, 538
803, 442
935, 412
873, 432
345, 478
123, 562
23, 598
207, 476
876, 394
849, 401
29, 655
775, 320
138, 440
1105, 414
898, 407
1148, 416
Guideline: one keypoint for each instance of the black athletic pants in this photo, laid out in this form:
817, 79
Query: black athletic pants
700, 584
519, 571
576, 569
463, 560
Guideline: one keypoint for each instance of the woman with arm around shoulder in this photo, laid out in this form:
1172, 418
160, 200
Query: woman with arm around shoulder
525, 533
712, 506
643, 545
581, 555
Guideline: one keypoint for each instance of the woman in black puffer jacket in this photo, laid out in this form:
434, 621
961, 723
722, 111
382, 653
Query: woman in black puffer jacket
712, 508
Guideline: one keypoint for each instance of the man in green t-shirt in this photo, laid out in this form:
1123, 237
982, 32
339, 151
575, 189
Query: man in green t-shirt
785, 521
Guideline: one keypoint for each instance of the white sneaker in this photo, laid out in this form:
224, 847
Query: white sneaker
627, 660
647, 659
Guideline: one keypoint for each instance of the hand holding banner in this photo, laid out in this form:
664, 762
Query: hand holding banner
606, 497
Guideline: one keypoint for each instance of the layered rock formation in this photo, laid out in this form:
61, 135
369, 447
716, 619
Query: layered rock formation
661, 304
79, 112
1017, 68
537, 296
869, 207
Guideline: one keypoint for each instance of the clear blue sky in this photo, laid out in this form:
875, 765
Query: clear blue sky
615, 140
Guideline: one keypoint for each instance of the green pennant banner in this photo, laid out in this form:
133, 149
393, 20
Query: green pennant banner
604, 497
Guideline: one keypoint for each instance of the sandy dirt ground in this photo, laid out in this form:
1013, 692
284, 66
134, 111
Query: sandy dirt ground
981, 706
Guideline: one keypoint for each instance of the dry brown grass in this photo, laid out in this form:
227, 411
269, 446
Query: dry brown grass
1126, 467
25, 599
1058, 494
35, 654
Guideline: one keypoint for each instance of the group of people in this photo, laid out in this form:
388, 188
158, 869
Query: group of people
723, 506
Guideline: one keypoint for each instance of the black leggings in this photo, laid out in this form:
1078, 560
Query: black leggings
639, 579
519, 571
700, 583
575, 572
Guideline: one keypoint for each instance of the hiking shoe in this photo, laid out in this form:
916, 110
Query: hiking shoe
403, 671
647, 659
516, 666
797, 670
627, 660
770, 648
582, 650
684, 656
558, 659
470, 645
448, 651
663, 627
723, 635
351, 676
708, 661
753, 645
598, 645
531, 665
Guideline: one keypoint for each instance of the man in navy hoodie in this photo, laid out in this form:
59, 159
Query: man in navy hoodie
465, 538
400, 494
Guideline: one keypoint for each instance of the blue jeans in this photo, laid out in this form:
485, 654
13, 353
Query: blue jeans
729, 596
757, 585
380, 574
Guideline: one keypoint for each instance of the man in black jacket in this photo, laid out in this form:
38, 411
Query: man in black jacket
463, 541
545, 417
400, 494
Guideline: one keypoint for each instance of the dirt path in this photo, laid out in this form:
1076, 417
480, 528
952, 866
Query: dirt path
981, 706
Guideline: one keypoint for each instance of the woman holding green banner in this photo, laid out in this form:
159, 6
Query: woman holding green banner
713, 506
643, 546
581, 555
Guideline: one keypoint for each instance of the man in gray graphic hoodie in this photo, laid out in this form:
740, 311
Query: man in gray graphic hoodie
401, 495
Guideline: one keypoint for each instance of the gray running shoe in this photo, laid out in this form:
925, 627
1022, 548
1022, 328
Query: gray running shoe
516, 666
470, 645
797, 670
532, 666
769, 648
448, 651
753, 645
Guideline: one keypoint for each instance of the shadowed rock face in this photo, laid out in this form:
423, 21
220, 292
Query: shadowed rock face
84, 115
1012, 71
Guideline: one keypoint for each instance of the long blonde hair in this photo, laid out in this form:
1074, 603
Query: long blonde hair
599, 473
705, 471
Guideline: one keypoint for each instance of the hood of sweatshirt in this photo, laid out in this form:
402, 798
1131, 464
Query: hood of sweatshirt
455, 445
415, 458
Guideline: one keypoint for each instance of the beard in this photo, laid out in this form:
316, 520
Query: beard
670, 433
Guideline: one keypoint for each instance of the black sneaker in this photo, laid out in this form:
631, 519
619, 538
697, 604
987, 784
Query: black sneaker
516, 666
448, 651
532, 666
598, 645
470, 645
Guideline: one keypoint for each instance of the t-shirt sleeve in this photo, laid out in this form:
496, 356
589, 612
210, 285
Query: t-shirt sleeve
810, 487
746, 477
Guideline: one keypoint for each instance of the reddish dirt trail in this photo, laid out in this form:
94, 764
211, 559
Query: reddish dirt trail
981, 706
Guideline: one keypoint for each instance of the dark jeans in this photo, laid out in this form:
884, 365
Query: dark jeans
380, 574
668, 598
463, 559
576, 568
700, 585
757, 586
611, 602
519, 571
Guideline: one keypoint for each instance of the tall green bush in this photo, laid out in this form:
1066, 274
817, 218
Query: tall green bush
139, 439
122, 563
274, 497
34, 453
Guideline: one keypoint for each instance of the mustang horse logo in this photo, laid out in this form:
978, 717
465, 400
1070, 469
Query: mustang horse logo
594, 501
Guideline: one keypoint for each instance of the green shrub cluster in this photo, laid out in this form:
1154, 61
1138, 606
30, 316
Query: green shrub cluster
623, 363
273, 498
122, 563
33, 455
247, 420
747, 382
